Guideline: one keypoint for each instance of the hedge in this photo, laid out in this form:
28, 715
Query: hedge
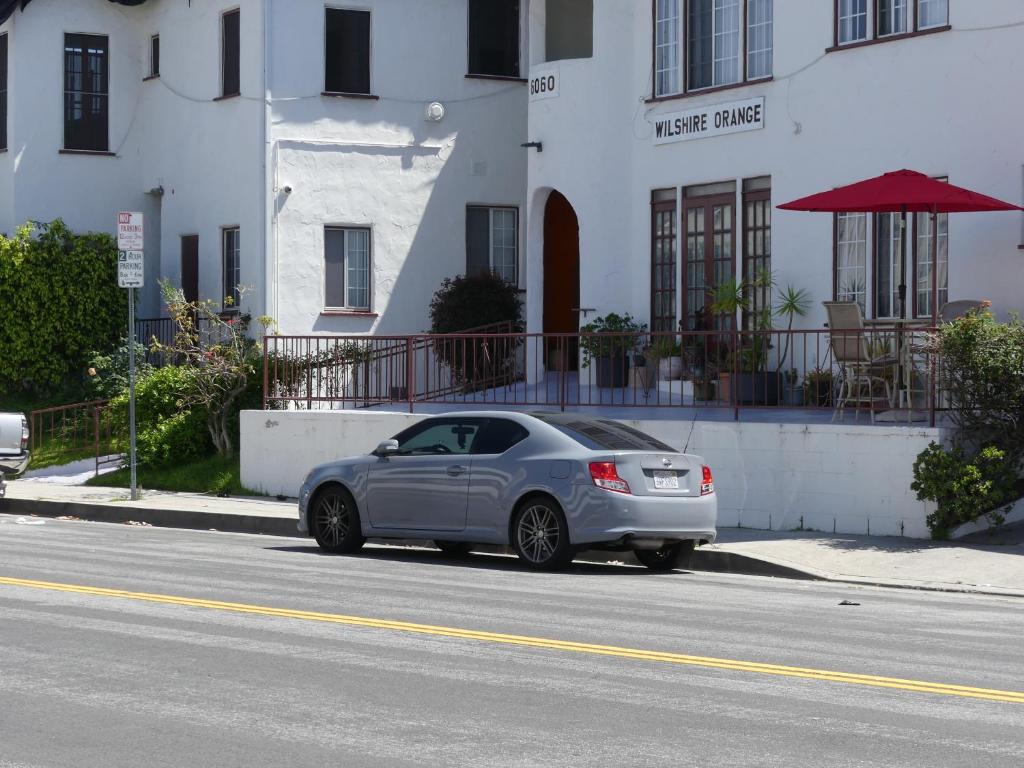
60, 301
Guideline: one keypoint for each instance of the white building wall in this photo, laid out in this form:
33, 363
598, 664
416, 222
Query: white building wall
939, 103
825, 477
379, 164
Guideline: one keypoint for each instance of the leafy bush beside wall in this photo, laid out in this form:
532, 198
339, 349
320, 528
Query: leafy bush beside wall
60, 301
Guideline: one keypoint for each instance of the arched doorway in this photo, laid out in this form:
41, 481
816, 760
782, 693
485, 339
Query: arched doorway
561, 280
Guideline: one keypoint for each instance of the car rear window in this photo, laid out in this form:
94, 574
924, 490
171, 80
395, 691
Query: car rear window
603, 434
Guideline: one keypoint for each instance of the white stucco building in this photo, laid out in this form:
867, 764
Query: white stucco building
671, 129
288, 146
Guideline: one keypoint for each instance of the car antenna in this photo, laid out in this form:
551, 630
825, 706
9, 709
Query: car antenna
693, 423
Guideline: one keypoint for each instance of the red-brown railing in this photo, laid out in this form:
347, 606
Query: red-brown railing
706, 369
79, 430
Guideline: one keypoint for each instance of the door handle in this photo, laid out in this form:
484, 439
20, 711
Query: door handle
456, 470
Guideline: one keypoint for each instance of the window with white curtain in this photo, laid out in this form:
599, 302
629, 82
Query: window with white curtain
759, 38
923, 263
932, 13
666, 47
347, 268
717, 45
851, 278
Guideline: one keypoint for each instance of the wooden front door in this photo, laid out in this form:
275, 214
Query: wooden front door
709, 225
561, 279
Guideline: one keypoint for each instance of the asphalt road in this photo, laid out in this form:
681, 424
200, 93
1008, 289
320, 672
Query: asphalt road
298, 662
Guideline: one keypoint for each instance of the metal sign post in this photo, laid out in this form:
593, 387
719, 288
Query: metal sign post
131, 275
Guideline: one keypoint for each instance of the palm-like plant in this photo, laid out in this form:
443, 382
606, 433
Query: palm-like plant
792, 303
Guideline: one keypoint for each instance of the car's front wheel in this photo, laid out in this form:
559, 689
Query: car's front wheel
335, 521
676, 555
540, 535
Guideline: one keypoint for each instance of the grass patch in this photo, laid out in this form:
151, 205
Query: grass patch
213, 475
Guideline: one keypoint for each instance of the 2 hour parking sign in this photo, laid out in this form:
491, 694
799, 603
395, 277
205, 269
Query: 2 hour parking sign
130, 246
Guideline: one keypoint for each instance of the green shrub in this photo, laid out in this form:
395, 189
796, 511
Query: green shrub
166, 432
964, 487
108, 373
60, 301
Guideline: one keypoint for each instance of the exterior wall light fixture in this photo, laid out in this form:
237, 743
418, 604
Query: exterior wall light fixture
434, 112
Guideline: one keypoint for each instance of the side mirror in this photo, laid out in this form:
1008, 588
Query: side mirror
387, 448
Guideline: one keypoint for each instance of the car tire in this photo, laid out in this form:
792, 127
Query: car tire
669, 557
334, 521
540, 535
454, 548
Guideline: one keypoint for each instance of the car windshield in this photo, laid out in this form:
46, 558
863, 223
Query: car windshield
602, 434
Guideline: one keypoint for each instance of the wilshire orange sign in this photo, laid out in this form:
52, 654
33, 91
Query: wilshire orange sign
713, 120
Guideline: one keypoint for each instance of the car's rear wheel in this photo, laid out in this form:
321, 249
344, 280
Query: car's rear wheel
668, 557
454, 548
335, 521
540, 535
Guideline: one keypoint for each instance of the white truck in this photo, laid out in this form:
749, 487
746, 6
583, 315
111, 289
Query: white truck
14, 453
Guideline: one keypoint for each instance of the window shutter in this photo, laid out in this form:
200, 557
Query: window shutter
478, 241
232, 53
334, 268
348, 51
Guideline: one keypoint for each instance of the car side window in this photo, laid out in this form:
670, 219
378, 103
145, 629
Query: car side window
439, 437
498, 435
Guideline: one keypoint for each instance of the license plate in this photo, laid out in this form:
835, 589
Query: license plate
666, 480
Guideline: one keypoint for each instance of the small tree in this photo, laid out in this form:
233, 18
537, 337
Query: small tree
218, 357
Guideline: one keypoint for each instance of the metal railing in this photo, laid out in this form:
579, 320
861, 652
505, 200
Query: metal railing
877, 369
76, 431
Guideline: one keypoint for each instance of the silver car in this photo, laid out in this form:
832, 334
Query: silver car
549, 485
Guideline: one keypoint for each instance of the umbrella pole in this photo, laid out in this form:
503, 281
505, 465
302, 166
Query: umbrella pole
903, 264
935, 311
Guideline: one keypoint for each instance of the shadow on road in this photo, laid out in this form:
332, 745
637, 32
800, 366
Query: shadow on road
492, 561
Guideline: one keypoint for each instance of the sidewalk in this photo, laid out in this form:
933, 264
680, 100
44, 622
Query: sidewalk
983, 568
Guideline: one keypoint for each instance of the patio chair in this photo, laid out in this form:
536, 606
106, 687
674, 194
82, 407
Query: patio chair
952, 310
860, 372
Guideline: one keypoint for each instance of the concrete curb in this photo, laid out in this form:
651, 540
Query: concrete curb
704, 559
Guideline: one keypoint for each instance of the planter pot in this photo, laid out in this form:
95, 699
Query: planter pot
818, 393
758, 388
612, 372
704, 390
793, 395
670, 368
724, 387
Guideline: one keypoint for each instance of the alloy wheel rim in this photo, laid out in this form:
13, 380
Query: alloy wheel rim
538, 534
332, 519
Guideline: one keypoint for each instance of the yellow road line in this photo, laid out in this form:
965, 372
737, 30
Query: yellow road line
989, 694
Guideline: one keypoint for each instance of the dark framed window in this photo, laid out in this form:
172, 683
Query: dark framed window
922, 261
347, 268
86, 93
664, 242
347, 51
886, 265
494, 38
3, 91
498, 436
850, 258
861, 21
492, 241
709, 229
231, 51
154, 56
757, 244
701, 44
232, 267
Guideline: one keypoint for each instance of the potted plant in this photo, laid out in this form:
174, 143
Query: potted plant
793, 394
668, 353
754, 384
818, 387
609, 340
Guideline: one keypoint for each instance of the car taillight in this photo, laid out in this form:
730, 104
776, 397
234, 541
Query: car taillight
707, 482
24, 435
605, 476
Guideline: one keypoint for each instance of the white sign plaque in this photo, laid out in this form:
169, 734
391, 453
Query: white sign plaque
544, 83
130, 231
131, 269
712, 120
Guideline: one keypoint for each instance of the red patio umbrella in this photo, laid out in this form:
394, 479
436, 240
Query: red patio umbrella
903, 192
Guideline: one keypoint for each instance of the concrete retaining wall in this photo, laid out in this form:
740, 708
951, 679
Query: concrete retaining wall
828, 477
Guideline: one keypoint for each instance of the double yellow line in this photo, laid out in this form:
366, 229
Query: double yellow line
988, 694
